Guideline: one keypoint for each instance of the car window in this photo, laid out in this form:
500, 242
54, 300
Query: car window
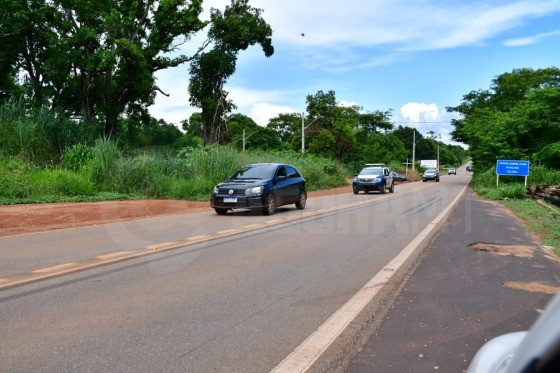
281, 172
262, 171
292, 172
371, 171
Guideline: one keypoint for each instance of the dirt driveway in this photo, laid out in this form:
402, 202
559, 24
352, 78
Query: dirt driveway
20, 219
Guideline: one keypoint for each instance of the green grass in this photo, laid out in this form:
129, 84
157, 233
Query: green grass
539, 220
102, 172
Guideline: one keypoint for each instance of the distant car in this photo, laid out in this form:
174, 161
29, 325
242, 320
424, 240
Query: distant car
373, 177
537, 350
430, 174
262, 186
397, 176
452, 171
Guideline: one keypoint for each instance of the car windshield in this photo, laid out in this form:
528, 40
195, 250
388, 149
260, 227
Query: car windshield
430, 171
255, 171
371, 171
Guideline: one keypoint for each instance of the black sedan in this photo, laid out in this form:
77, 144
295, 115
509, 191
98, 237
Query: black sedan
262, 186
430, 174
398, 177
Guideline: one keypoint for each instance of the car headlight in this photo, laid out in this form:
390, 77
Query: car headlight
254, 190
216, 190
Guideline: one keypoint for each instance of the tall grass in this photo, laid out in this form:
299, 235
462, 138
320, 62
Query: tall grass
89, 172
39, 134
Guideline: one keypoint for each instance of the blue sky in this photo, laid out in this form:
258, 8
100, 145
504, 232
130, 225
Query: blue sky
415, 57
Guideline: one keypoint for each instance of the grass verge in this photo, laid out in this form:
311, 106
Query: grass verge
539, 220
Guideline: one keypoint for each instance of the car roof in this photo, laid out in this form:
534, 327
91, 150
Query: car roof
375, 164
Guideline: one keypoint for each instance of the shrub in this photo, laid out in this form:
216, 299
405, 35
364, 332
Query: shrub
77, 157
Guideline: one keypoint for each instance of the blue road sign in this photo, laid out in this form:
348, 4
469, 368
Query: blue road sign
512, 167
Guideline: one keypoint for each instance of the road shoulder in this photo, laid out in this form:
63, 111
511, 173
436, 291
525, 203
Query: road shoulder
482, 277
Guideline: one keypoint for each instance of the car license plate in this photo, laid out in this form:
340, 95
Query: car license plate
230, 199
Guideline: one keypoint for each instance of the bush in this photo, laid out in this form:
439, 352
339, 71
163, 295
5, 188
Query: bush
13, 172
77, 157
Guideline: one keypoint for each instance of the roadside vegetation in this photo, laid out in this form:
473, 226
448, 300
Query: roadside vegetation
103, 172
517, 118
542, 221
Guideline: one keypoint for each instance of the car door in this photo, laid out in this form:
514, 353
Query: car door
293, 188
281, 186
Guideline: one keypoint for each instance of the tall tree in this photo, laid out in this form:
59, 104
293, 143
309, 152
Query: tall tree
239, 27
516, 118
97, 59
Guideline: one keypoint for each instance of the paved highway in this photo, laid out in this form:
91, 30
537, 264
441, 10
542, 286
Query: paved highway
202, 292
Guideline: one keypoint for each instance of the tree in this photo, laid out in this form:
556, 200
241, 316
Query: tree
514, 119
286, 126
239, 27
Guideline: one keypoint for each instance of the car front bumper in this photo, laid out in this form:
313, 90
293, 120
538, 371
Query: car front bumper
241, 202
368, 186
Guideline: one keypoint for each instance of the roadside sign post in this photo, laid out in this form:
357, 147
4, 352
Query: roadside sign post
512, 168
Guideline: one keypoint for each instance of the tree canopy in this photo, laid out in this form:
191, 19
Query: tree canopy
517, 118
96, 60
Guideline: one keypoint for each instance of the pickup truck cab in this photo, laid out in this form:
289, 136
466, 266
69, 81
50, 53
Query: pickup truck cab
375, 176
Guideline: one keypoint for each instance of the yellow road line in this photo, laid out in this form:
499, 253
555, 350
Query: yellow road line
163, 245
55, 268
89, 263
227, 232
195, 238
114, 255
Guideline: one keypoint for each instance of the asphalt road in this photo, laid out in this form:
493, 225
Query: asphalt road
200, 292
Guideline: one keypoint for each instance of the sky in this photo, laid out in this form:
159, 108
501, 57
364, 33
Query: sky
413, 57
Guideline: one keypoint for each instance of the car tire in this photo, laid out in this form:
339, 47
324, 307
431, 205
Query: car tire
356, 191
220, 211
437, 179
382, 189
302, 200
269, 207
392, 188
423, 180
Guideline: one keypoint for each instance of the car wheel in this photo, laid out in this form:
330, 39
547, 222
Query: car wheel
423, 180
392, 188
382, 189
270, 205
302, 200
220, 211
437, 179
356, 191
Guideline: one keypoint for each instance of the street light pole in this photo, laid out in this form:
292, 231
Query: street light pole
302, 133
245, 138
413, 148
303, 127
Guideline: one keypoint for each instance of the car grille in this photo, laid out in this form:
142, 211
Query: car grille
366, 180
236, 192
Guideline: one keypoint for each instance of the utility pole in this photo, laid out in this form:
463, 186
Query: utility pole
413, 148
303, 127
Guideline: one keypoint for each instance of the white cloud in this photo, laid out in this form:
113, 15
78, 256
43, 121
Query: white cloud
262, 112
530, 39
419, 112
407, 24
426, 118
350, 104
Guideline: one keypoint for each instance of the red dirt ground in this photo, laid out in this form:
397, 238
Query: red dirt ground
20, 219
